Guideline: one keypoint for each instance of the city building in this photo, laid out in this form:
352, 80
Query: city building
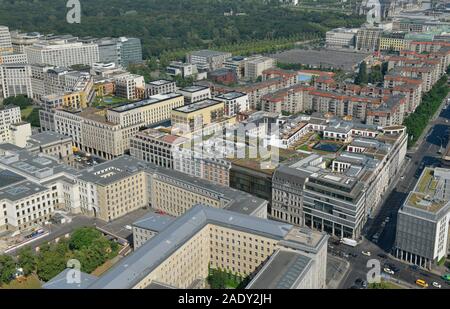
112, 189
237, 65
367, 39
51, 144
149, 226
9, 114
338, 199
19, 133
161, 86
207, 59
5, 41
235, 102
21, 40
256, 65
180, 256
196, 116
33, 187
15, 79
341, 38
194, 93
423, 220
62, 52
182, 69
156, 146
129, 86
392, 41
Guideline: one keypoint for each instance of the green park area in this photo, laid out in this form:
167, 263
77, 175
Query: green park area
89, 246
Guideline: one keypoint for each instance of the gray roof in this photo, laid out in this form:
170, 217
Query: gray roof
231, 95
60, 281
284, 270
32, 165
8, 178
132, 269
20, 190
154, 222
46, 138
112, 171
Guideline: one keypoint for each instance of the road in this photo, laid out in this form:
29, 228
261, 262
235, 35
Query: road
425, 154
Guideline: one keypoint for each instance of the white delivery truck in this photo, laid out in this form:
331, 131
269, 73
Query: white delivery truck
349, 242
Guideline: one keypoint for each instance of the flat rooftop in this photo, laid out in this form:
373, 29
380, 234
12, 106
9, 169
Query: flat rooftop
231, 95
132, 269
283, 270
154, 222
160, 82
425, 195
152, 100
192, 89
197, 106
46, 138
112, 171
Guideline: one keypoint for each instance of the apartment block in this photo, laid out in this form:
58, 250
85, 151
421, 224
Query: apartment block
183, 69
235, 102
367, 39
195, 116
129, 86
194, 94
161, 86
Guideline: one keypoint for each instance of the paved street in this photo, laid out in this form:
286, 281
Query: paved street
424, 154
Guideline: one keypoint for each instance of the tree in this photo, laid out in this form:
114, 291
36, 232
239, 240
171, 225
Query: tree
20, 100
27, 260
83, 238
376, 75
362, 78
49, 264
7, 268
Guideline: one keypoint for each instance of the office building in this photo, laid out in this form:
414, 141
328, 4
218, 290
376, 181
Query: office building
129, 86
341, 38
207, 59
9, 114
21, 40
15, 80
113, 189
255, 66
149, 226
184, 70
39, 185
423, 220
367, 39
195, 116
5, 41
181, 254
62, 52
51, 144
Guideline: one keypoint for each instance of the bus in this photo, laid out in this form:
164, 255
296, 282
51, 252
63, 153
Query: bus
421, 283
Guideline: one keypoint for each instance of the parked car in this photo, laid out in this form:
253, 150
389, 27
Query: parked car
366, 253
388, 271
422, 283
437, 285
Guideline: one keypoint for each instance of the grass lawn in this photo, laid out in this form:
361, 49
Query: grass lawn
30, 282
108, 100
26, 112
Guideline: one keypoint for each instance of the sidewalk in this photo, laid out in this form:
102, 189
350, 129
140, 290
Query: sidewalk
337, 270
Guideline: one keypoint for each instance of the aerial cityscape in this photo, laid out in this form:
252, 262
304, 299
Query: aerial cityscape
232, 145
